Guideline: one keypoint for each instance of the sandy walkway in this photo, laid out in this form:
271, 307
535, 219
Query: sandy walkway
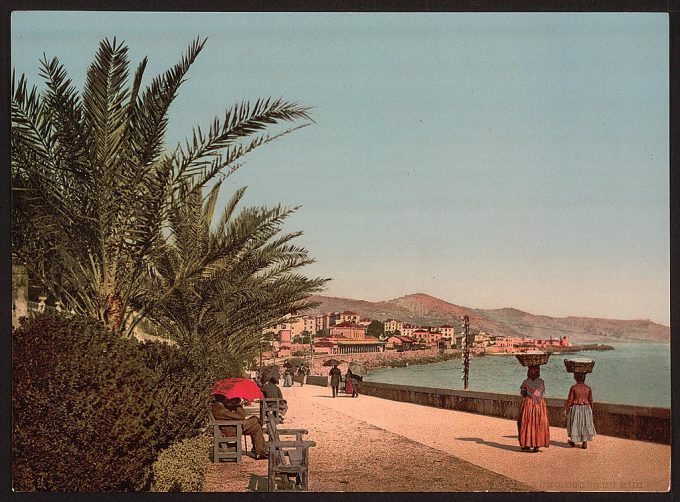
355, 456
609, 464
370, 444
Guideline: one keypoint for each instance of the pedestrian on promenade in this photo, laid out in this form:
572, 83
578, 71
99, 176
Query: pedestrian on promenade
349, 384
579, 412
301, 374
336, 376
231, 409
355, 384
287, 379
533, 426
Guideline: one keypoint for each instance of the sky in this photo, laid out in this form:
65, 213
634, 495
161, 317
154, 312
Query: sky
489, 159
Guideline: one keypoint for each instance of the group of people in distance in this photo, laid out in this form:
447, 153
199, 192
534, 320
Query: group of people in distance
351, 381
533, 426
299, 374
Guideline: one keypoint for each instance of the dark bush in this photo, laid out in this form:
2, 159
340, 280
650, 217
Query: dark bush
83, 416
182, 388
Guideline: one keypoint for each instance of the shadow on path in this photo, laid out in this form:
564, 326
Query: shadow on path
559, 444
339, 395
257, 483
493, 444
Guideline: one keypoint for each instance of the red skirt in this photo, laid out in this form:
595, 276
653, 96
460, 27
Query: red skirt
348, 387
534, 429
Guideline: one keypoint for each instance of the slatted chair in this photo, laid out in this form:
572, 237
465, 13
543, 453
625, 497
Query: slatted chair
287, 459
227, 447
274, 405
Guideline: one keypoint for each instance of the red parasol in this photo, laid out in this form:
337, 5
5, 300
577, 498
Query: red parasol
244, 388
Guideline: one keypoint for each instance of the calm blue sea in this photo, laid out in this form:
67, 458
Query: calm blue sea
632, 373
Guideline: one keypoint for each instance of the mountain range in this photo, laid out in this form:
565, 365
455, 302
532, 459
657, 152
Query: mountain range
424, 310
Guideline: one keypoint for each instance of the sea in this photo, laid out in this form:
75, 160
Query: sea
632, 373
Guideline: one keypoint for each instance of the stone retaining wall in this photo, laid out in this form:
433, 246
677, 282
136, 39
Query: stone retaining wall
317, 380
374, 359
619, 420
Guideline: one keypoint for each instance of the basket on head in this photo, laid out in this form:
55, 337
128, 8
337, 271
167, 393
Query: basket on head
533, 358
579, 365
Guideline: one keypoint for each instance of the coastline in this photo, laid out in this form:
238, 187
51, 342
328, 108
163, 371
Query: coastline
394, 359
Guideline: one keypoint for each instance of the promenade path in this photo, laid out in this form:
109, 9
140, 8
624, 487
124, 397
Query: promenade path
370, 444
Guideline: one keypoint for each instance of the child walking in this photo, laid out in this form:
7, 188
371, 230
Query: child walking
579, 412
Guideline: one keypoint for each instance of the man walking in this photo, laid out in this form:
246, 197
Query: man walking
336, 376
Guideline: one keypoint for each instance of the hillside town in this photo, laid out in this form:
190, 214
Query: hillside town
348, 332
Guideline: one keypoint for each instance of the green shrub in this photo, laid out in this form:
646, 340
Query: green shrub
181, 389
297, 361
182, 466
83, 413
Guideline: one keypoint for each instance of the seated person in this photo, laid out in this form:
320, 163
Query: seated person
231, 409
272, 391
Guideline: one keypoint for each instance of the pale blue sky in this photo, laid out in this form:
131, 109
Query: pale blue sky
489, 159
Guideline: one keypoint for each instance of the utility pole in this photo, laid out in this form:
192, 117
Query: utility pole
466, 352
311, 352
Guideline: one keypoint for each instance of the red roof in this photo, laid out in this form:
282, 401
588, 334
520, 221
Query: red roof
347, 324
406, 339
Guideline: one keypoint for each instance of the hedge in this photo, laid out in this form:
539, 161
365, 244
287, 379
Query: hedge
84, 416
182, 466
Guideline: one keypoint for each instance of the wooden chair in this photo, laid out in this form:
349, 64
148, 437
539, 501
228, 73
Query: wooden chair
274, 405
287, 459
227, 447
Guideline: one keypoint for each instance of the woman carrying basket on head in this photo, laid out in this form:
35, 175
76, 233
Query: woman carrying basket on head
533, 426
579, 412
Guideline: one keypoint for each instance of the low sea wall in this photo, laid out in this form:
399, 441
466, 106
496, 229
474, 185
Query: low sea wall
389, 358
317, 380
619, 420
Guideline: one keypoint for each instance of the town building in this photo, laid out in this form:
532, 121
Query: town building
479, 340
344, 345
349, 316
348, 329
365, 321
326, 320
429, 337
392, 325
447, 331
400, 342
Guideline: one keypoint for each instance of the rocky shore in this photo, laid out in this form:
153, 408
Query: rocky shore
580, 348
395, 359
388, 359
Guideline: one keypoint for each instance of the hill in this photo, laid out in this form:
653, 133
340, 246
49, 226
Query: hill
425, 310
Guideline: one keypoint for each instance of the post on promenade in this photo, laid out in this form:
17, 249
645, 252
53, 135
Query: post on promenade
311, 353
466, 351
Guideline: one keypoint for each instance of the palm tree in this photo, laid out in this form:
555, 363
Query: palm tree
94, 187
251, 286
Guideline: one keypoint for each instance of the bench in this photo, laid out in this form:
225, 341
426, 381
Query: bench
227, 447
287, 458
